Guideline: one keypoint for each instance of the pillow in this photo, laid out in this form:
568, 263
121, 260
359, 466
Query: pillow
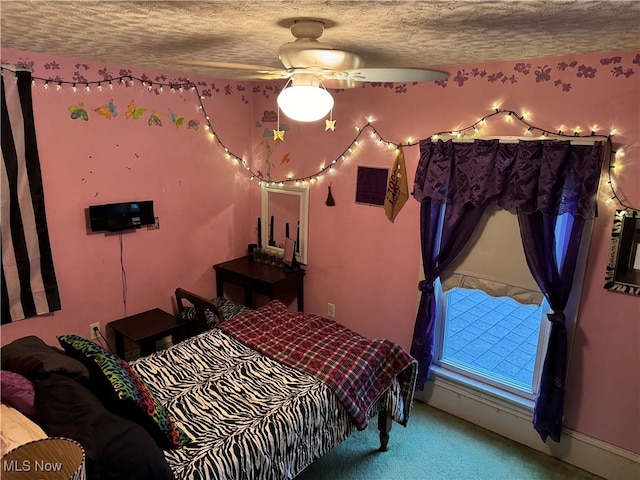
17, 391
16, 429
122, 390
189, 314
32, 358
228, 308
115, 448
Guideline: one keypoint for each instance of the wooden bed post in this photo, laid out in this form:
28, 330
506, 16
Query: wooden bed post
384, 425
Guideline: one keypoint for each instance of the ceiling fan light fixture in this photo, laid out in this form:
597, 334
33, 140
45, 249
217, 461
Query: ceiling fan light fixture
305, 103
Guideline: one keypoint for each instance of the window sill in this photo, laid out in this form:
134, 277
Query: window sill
488, 394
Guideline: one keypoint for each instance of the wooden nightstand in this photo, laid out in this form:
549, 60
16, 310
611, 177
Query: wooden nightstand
145, 329
260, 278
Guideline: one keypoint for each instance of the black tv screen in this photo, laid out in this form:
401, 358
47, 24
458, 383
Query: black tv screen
115, 217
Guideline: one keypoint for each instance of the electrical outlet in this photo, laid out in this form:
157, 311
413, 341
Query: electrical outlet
331, 310
92, 330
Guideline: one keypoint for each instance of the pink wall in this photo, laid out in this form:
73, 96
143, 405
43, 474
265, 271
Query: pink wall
368, 267
199, 195
358, 260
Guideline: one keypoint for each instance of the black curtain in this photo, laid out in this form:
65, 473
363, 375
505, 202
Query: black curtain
29, 286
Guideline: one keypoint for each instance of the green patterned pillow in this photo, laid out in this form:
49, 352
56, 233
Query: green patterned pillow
124, 390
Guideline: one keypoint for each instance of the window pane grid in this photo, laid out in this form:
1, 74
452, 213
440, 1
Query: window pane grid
493, 338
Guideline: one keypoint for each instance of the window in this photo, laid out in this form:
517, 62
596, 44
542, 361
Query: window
492, 325
492, 338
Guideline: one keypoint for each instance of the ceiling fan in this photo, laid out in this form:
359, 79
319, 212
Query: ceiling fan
314, 66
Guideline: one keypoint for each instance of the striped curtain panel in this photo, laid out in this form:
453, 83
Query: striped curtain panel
29, 286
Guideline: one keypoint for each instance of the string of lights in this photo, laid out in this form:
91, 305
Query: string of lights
612, 165
150, 85
473, 129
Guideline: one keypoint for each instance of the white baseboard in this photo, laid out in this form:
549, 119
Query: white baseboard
513, 421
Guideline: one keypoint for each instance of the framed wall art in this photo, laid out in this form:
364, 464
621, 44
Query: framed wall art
623, 271
371, 185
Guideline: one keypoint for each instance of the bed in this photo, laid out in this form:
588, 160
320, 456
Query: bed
250, 394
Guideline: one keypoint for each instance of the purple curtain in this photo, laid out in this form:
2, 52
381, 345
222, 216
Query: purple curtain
438, 251
555, 281
538, 179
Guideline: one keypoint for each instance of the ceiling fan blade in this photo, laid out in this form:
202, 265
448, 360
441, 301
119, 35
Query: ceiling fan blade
339, 83
264, 76
239, 71
234, 66
261, 71
395, 75
324, 58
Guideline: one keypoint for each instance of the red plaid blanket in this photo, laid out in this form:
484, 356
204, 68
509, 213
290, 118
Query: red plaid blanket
356, 369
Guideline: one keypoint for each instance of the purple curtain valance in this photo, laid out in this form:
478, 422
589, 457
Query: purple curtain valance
550, 176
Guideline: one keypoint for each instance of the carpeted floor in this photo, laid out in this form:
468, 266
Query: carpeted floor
437, 446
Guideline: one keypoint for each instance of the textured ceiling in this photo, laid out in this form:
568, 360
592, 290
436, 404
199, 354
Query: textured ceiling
166, 35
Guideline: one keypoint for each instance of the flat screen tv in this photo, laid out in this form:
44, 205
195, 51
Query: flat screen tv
115, 217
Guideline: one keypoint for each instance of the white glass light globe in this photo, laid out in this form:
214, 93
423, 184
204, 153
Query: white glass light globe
305, 103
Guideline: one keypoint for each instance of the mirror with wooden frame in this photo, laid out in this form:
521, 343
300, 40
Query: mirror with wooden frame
623, 270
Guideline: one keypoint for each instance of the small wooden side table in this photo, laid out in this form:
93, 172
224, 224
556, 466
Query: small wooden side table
145, 329
261, 278
52, 458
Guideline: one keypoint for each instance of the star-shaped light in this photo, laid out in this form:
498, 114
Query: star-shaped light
330, 125
278, 135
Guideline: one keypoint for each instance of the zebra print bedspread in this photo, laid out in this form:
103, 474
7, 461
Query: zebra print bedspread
250, 417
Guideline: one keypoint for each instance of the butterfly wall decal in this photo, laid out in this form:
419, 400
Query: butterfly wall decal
78, 112
134, 112
108, 110
155, 119
177, 121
